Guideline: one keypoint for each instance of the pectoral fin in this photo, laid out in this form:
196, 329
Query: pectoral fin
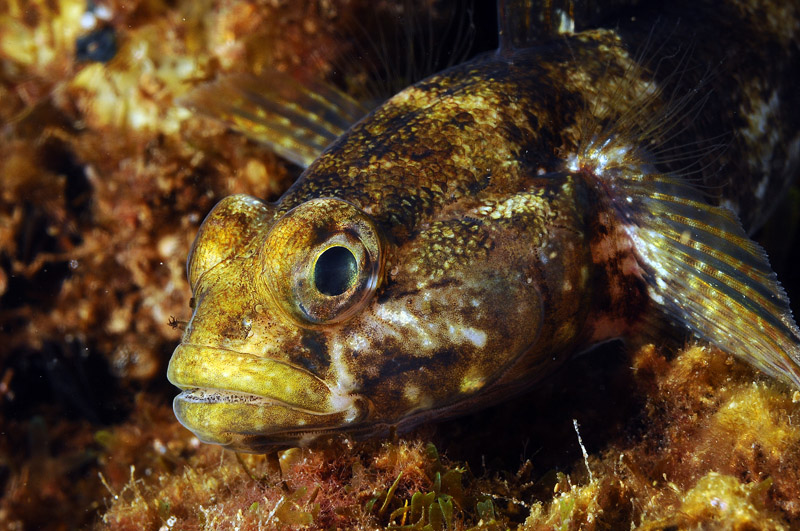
703, 271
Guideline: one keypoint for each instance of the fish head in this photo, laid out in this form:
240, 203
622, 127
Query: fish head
246, 363
311, 321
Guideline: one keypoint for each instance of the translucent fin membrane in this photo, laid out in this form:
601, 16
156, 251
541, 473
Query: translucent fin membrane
704, 273
297, 121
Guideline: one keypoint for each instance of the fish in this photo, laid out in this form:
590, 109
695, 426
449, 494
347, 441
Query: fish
593, 178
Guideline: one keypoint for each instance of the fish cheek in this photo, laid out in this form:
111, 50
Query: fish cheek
450, 342
510, 312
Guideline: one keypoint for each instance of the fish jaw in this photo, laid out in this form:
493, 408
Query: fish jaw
246, 402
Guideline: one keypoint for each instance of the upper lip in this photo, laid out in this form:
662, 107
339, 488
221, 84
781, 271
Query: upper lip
195, 366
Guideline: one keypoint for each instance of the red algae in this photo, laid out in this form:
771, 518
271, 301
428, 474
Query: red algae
669, 476
325, 488
344, 486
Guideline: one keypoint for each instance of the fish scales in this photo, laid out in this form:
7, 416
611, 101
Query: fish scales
460, 242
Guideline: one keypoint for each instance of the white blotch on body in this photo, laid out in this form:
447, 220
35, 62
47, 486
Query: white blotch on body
341, 398
461, 334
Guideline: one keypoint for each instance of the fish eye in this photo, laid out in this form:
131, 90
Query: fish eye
322, 261
335, 271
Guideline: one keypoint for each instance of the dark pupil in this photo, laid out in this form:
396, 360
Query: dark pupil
336, 271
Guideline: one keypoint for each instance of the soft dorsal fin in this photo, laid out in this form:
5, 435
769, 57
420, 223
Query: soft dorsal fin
296, 120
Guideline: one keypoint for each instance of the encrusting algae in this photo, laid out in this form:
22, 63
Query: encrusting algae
715, 446
104, 181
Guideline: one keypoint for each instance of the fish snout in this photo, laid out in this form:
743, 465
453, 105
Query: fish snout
247, 403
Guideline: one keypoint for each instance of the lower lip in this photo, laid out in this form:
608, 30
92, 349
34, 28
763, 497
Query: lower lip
247, 422
216, 396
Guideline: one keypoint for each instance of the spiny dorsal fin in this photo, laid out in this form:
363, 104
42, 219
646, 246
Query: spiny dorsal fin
295, 120
396, 44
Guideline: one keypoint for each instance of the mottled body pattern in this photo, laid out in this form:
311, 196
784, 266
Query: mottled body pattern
495, 218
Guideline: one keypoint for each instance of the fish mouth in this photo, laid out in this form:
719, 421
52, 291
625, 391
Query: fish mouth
248, 403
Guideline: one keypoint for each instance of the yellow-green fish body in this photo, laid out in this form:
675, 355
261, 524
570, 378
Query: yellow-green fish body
465, 238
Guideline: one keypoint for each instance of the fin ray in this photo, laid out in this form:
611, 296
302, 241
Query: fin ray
296, 120
703, 272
